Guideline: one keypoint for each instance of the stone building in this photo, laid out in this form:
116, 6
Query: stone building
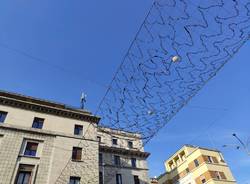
43, 142
196, 165
122, 158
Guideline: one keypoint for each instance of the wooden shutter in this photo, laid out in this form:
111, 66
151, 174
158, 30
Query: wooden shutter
215, 160
223, 176
78, 154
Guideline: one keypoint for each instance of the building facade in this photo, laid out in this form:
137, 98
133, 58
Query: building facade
43, 142
196, 165
122, 158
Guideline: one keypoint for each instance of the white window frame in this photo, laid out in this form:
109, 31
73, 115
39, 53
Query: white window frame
24, 145
210, 159
218, 174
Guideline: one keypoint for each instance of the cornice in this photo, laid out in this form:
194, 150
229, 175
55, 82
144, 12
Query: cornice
28, 103
124, 151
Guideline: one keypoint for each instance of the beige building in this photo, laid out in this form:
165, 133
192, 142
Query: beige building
122, 158
44, 142
196, 165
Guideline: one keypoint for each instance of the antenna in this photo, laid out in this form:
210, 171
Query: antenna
83, 100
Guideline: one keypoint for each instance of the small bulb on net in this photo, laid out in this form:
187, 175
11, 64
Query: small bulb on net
175, 58
150, 112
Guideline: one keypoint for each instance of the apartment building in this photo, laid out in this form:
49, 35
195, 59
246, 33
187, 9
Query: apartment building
196, 165
122, 159
44, 142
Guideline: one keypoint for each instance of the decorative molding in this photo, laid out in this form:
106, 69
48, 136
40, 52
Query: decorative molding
32, 104
122, 151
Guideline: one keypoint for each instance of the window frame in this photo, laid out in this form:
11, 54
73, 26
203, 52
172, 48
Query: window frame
117, 160
130, 144
3, 116
99, 139
25, 151
100, 158
114, 141
203, 179
74, 156
136, 179
101, 177
134, 162
210, 159
80, 132
118, 178
196, 163
218, 175
39, 123
25, 168
76, 180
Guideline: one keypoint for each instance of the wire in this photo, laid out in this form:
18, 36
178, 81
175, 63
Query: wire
147, 80
51, 65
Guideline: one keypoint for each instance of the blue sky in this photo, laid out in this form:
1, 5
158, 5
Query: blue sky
77, 45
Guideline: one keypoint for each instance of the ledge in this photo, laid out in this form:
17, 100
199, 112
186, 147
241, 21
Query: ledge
123, 167
26, 156
42, 132
124, 151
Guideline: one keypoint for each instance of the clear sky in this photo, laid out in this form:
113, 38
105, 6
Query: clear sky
73, 46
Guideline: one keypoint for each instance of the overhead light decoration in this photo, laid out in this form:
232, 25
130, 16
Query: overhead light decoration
175, 58
150, 112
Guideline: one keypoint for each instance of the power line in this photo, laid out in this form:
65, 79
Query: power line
75, 74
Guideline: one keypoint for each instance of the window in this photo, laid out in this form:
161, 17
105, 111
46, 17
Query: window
220, 175
117, 160
38, 123
114, 141
78, 130
23, 177
133, 162
99, 139
136, 180
100, 178
210, 159
3, 116
74, 180
196, 163
76, 154
31, 149
24, 174
203, 179
118, 179
217, 174
100, 158
130, 144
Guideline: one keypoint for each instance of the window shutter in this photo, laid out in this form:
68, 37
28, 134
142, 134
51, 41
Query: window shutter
79, 154
215, 160
223, 176
213, 174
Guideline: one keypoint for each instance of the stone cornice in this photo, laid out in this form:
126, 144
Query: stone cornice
123, 151
37, 105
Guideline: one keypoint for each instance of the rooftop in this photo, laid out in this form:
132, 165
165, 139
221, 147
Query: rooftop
45, 106
190, 146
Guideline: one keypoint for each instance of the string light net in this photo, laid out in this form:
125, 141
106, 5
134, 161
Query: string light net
180, 46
